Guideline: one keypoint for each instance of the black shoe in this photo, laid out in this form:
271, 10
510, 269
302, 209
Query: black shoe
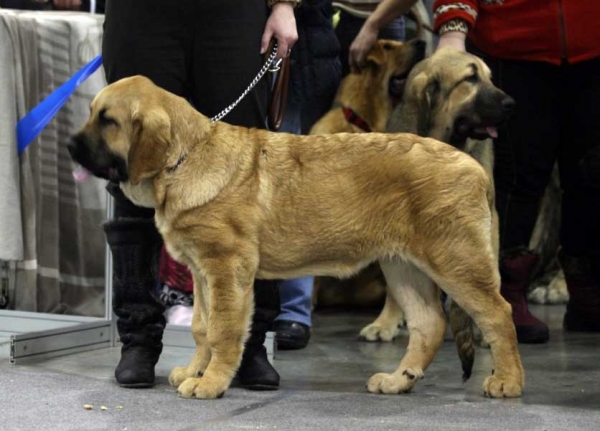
256, 372
135, 244
575, 323
582, 274
136, 367
291, 335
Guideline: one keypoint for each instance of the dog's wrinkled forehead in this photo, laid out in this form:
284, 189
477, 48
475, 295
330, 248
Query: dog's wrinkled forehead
125, 94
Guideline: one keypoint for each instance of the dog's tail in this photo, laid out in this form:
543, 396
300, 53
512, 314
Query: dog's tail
464, 338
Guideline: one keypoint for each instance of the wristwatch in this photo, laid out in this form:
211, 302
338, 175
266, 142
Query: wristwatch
295, 3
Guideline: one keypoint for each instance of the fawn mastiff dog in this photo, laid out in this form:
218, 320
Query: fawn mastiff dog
450, 97
235, 203
365, 101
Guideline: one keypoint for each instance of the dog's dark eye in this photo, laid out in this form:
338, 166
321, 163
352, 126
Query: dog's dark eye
106, 121
473, 79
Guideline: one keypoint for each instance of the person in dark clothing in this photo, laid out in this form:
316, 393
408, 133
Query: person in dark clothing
315, 76
207, 52
316, 69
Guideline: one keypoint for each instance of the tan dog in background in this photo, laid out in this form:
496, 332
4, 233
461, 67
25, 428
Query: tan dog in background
235, 203
450, 97
364, 102
372, 94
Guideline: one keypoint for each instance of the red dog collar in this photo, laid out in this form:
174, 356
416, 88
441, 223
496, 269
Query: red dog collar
353, 118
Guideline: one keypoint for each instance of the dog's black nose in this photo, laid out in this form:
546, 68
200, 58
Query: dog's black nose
508, 104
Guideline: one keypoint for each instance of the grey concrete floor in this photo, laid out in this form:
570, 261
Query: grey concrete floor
323, 387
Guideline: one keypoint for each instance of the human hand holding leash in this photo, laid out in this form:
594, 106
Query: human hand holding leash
281, 25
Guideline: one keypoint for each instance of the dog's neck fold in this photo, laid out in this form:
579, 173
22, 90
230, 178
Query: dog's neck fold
198, 145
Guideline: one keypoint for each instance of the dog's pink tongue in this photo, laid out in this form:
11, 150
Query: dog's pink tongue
81, 174
492, 131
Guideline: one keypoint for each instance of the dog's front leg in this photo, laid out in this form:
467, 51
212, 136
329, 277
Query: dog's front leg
385, 327
199, 362
229, 299
418, 295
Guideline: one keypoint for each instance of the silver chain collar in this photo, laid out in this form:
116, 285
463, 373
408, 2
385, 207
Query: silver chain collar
266, 67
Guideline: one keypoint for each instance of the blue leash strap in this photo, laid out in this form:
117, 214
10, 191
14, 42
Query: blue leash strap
30, 126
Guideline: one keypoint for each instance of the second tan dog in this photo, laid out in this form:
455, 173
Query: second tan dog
235, 204
449, 97
365, 101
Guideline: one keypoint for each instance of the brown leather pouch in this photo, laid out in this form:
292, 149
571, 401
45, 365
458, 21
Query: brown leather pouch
279, 94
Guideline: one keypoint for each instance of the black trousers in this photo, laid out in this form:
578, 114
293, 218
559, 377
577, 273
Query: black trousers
205, 51
557, 119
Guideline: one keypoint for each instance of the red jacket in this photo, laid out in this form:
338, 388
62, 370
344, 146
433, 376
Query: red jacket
535, 30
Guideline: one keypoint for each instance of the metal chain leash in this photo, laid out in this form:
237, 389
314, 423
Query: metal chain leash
261, 73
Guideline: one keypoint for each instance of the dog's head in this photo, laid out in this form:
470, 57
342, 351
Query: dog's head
128, 136
389, 63
450, 97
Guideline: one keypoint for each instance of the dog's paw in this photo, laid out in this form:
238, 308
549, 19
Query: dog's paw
396, 383
557, 291
179, 375
554, 293
496, 387
202, 388
377, 332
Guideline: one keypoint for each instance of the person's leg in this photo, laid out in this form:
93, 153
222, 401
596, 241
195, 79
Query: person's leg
315, 77
579, 166
140, 37
525, 152
226, 58
293, 323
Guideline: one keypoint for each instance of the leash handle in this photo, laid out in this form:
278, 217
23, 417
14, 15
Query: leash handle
279, 94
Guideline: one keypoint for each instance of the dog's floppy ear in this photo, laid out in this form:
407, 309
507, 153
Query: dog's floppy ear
150, 145
417, 105
376, 56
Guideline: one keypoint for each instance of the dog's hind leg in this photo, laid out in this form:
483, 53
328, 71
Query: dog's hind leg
472, 279
385, 327
199, 362
419, 297
229, 297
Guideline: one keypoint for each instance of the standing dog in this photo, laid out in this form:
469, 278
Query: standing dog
449, 97
234, 203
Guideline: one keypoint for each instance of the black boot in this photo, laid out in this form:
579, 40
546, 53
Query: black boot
583, 282
256, 372
135, 245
